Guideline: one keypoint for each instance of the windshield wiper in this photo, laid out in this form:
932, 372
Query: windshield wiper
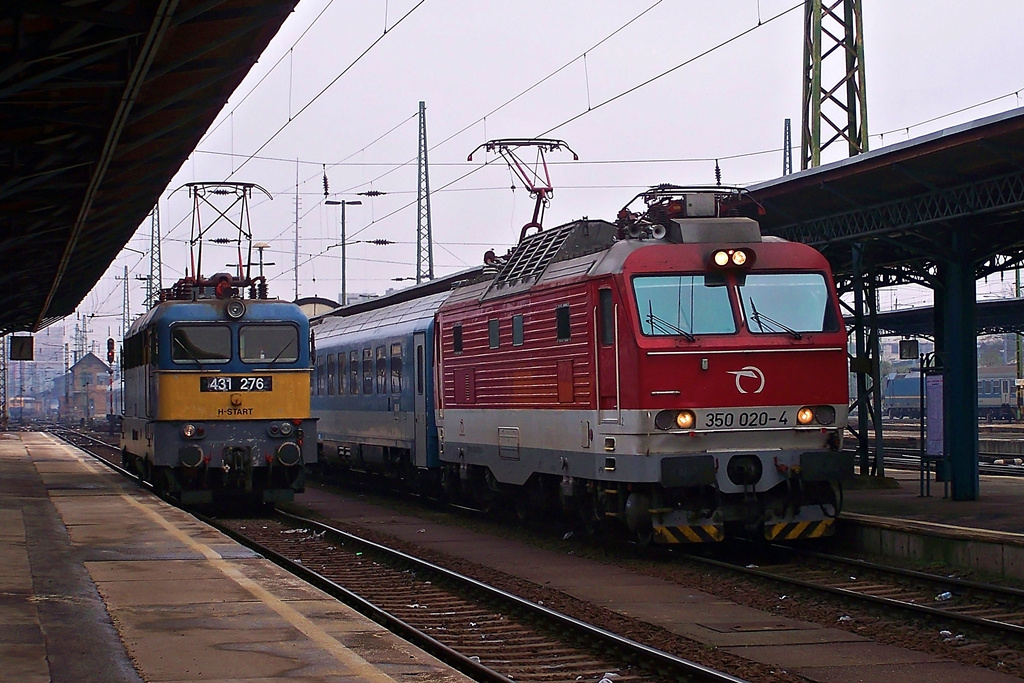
283, 349
665, 326
759, 317
188, 350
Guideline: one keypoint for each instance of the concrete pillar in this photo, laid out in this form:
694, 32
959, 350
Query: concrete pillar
960, 362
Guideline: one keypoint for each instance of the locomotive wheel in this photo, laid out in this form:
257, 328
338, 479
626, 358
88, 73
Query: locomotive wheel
590, 517
523, 511
644, 537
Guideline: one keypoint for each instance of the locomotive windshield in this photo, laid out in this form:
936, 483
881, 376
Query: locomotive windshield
269, 343
787, 302
682, 305
201, 344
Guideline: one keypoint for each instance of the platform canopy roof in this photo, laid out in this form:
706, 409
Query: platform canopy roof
901, 202
101, 101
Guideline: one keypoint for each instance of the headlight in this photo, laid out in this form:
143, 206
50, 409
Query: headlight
191, 431
235, 309
825, 415
805, 415
733, 258
686, 419
675, 419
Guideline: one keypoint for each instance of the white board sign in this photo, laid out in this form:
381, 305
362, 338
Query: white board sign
933, 407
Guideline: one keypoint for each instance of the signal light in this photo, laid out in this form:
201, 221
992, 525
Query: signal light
110, 349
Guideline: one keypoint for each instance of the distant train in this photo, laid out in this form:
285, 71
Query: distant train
217, 390
673, 373
997, 394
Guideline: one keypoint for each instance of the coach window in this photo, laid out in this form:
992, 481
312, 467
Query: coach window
517, 330
368, 371
492, 333
341, 373
382, 370
320, 375
606, 315
457, 338
268, 343
330, 374
396, 368
562, 322
353, 372
201, 344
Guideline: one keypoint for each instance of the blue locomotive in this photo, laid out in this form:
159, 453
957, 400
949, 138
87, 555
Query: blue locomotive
216, 398
216, 384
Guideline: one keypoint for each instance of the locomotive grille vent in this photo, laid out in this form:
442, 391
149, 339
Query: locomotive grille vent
532, 257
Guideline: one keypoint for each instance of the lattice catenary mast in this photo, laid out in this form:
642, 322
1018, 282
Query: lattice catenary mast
155, 267
833, 88
424, 241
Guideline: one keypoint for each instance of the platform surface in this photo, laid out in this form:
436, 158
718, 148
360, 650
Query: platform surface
101, 581
999, 508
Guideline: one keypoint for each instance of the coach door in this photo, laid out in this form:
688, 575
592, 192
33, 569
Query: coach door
606, 334
420, 397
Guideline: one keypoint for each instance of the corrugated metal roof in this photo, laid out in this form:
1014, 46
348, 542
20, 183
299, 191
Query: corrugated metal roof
100, 104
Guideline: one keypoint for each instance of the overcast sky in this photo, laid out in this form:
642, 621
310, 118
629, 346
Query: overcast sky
315, 100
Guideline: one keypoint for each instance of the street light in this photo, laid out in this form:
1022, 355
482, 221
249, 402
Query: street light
343, 203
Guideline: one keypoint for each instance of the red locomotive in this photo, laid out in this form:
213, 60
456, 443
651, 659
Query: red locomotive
674, 371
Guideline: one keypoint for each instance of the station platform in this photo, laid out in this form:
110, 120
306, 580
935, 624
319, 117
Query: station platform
101, 581
890, 517
1000, 507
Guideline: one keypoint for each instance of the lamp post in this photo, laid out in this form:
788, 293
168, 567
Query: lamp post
343, 203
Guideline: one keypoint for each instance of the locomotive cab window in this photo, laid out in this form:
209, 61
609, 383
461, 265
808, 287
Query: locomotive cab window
682, 305
201, 344
790, 303
269, 343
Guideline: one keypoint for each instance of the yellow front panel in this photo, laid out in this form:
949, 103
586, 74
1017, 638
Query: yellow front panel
179, 398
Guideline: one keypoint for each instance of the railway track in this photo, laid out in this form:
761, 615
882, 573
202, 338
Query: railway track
488, 634
989, 463
445, 612
953, 602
